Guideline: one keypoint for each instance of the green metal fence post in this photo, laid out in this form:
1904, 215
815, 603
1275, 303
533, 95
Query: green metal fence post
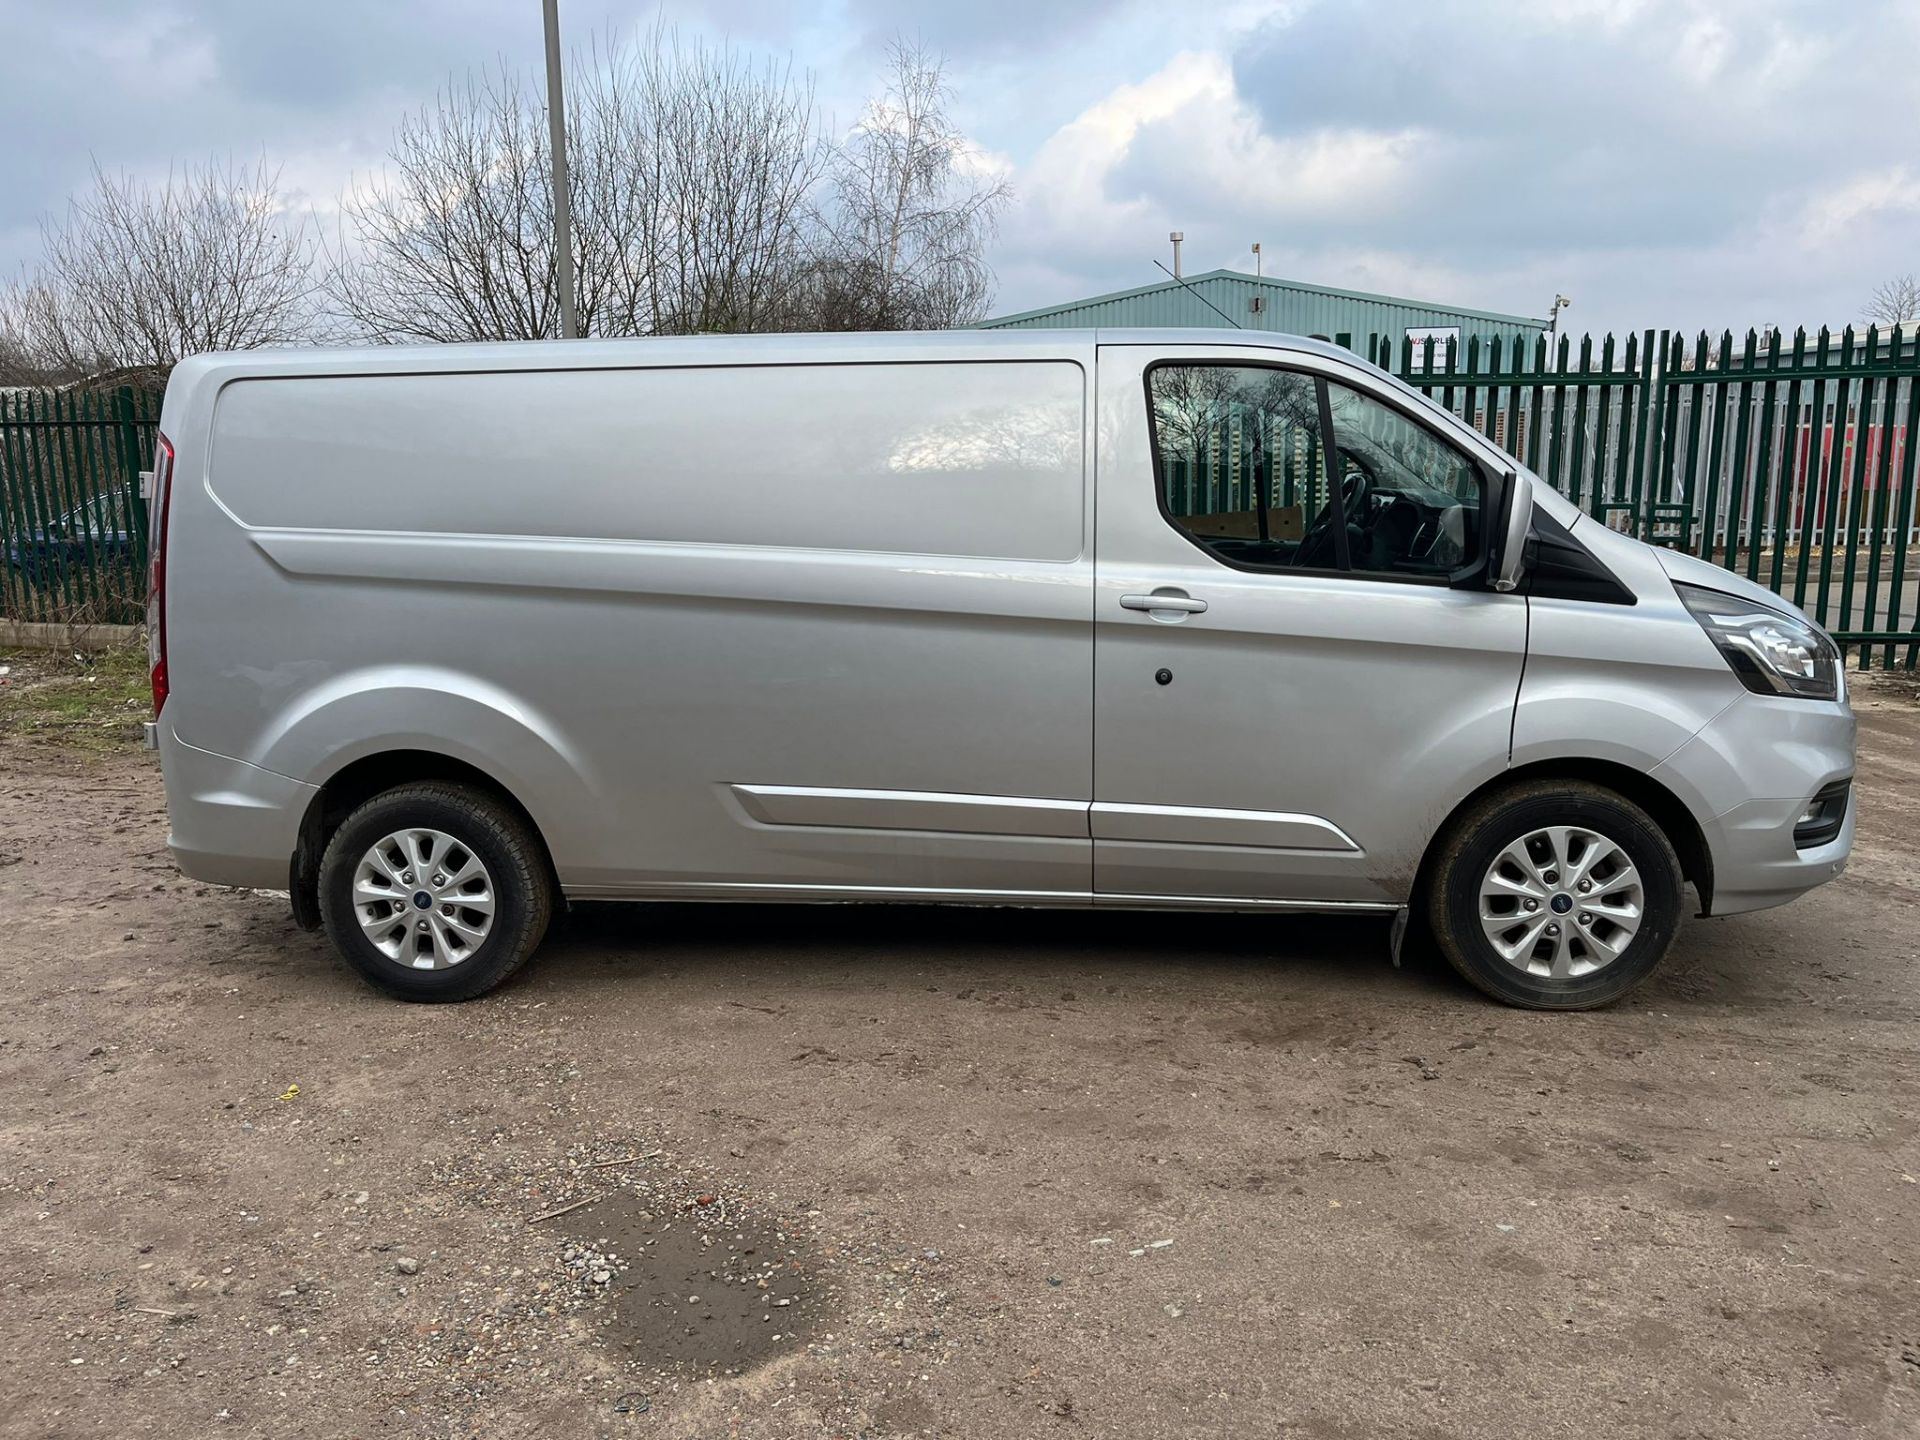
1515, 443
1737, 475
1473, 368
1857, 492
1668, 398
1603, 405
1710, 504
17, 595
1876, 523
46, 492
1845, 401
1644, 421
1812, 487
1903, 519
1689, 484
1578, 479
133, 456
83, 488
1776, 494
1556, 438
1535, 430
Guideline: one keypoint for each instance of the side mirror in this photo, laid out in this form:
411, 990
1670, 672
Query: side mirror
1509, 525
1506, 515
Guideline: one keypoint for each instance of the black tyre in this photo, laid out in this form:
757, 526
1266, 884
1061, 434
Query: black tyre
1555, 895
435, 891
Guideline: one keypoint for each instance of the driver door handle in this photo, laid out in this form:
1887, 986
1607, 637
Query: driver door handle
1166, 599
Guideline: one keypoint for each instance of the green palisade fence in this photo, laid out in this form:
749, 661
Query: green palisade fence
73, 528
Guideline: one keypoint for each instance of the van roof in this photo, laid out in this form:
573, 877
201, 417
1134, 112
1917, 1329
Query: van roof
593, 354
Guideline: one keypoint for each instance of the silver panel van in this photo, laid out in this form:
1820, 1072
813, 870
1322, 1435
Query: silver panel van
446, 637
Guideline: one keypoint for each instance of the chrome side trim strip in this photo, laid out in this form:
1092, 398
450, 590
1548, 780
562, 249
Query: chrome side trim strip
1199, 825
1240, 902
912, 810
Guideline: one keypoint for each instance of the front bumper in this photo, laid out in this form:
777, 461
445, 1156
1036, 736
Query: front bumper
1748, 777
1756, 863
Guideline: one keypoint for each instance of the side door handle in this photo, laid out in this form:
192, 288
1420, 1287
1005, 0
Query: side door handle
1166, 603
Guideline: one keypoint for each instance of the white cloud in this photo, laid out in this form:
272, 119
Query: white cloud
1704, 49
1064, 187
1831, 214
1182, 145
1608, 14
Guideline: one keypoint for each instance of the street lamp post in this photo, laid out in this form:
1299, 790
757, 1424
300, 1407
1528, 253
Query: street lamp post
562, 192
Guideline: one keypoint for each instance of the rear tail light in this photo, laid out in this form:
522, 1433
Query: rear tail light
157, 571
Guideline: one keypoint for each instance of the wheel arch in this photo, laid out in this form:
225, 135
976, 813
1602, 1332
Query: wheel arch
357, 782
1663, 807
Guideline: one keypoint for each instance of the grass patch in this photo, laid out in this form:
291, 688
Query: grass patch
85, 702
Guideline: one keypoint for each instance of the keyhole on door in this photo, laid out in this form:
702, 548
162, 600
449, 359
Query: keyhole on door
1163, 677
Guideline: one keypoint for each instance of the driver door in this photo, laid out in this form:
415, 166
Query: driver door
1288, 698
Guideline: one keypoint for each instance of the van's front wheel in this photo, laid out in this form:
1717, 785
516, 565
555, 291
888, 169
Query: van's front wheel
1555, 895
434, 892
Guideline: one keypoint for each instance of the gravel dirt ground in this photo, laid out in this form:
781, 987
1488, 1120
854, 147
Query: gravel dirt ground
714, 1171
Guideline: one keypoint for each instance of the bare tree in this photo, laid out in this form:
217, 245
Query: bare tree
705, 199
691, 174
17, 365
136, 276
1895, 303
729, 157
455, 242
910, 219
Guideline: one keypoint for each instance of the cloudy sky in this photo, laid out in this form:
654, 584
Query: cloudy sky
1663, 162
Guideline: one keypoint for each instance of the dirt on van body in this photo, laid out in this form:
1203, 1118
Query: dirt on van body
715, 1171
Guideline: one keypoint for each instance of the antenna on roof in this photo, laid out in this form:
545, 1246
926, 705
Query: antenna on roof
1203, 300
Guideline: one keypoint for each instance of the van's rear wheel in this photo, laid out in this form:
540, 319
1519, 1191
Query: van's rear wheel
434, 891
1555, 895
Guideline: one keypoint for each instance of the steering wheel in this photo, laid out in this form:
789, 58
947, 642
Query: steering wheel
1316, 548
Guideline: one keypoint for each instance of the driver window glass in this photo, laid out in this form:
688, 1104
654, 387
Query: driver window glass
1413, 501
1241, 468
1242, 472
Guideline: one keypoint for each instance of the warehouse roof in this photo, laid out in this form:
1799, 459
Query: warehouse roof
1214, 280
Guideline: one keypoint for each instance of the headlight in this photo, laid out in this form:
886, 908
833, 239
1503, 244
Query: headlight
1772, 652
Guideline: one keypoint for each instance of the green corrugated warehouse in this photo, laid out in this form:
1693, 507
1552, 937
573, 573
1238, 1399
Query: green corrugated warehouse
1265, 303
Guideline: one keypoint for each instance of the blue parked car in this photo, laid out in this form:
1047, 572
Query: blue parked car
93, 535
